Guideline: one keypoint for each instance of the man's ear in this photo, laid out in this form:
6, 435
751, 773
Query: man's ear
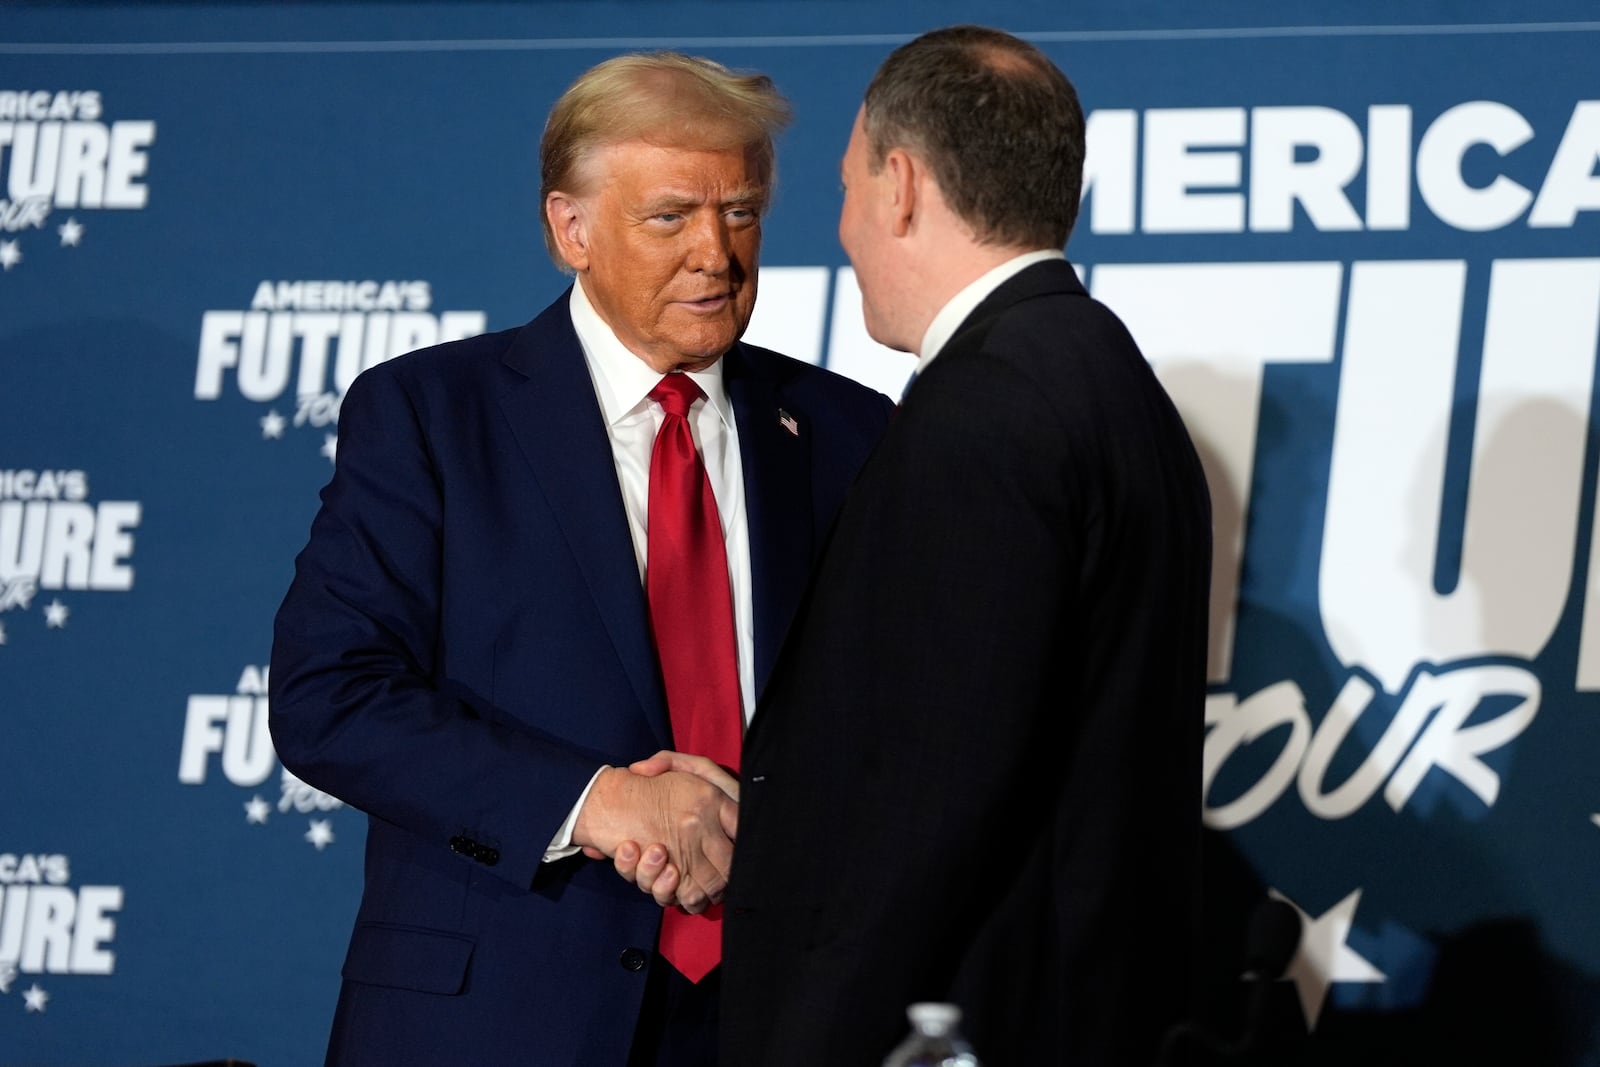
904, 173
569, 223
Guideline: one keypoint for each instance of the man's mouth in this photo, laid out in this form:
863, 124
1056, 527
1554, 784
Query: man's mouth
712, 302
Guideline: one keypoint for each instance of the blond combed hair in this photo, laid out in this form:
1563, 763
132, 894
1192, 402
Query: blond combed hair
661, 98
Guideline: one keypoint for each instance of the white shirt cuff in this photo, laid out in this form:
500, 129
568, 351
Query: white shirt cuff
561, 845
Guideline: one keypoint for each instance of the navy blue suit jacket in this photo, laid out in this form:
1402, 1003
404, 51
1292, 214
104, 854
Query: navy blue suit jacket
466, 641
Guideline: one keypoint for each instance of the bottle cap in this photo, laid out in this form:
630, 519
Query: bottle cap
933, 1018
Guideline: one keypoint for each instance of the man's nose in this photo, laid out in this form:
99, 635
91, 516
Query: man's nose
709, 249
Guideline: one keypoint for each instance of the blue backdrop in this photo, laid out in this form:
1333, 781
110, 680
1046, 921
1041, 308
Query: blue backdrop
1361, 242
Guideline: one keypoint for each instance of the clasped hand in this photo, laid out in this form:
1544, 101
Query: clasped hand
667, 823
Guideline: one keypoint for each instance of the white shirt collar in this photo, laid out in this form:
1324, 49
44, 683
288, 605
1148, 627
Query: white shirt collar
622, 380
953, 314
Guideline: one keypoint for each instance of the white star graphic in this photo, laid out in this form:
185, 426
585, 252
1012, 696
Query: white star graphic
2, 633
1593, 818
272, 425
35, 998
71, 233
1323, 957
10, 254
55, 614
8, 974
320, 834
330, 446
256, 809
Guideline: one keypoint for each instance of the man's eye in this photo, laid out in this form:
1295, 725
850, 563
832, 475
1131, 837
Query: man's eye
669, 216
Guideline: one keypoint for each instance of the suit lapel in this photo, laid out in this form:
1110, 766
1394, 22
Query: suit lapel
556, 420
777, 489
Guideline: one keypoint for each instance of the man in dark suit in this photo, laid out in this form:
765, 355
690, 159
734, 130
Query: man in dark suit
975, 775
468, 652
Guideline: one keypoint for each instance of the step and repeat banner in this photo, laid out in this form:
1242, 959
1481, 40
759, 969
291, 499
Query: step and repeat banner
1361, 244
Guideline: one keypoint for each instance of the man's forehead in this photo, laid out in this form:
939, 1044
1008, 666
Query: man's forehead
684, 172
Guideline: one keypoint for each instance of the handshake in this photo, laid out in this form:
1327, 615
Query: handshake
667, 823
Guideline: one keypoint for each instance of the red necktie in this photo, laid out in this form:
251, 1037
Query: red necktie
691, 615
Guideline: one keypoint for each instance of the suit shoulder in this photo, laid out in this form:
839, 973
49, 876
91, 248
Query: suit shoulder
447, 374
1076, 311
450, 358
1055, 333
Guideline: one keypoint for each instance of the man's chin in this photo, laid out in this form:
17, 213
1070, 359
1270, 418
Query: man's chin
708, 345
885, 338
699, 357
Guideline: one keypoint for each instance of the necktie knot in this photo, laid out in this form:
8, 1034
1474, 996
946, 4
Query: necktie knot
676, 393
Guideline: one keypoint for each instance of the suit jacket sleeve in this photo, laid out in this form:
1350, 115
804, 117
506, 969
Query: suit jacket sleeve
358, 704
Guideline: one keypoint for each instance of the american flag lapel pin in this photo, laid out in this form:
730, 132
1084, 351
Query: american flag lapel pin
787, 421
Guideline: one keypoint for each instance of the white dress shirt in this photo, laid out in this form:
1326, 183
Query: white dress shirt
622, 384
953, 314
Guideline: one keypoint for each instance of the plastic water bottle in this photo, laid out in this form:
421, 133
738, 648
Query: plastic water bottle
935, 1039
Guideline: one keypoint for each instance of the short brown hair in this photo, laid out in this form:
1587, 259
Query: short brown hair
663, 98
998, 124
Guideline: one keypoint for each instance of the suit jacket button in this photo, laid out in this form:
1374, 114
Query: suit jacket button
633, 959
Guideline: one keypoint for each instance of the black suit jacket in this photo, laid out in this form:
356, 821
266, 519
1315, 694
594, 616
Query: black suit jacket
975, 775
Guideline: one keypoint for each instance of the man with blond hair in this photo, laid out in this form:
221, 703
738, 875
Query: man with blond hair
545, 555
